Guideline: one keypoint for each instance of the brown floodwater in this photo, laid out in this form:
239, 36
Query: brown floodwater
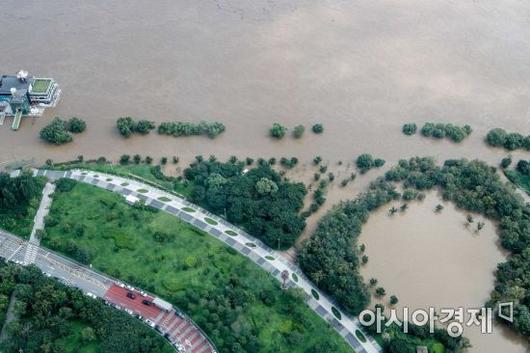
360, 68
438, 260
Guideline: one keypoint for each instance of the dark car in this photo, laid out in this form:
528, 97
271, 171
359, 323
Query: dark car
146, 302
131, 295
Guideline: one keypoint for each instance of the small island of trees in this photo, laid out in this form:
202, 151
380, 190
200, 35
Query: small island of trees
450, 131
409, 129
365, 162
277, 131
179, 128
508, 140
59, 131
128, 126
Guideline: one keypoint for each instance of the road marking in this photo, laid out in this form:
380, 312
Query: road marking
12, 255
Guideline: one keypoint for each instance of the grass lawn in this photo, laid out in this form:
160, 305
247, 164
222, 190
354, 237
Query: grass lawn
241, 307
21, 224
141, 171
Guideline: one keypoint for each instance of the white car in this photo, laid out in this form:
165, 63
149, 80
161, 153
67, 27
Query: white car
150, 323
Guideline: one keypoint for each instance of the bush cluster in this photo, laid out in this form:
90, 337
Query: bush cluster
409, 129
509, 140
128, 126
179, 128
58, 131
365, 162
440, 130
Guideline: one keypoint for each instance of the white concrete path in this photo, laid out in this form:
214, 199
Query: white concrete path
38, 223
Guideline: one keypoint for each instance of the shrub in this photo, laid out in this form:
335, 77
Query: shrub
56, 132
523, 167
143, 127
124, 159
378, 162
298, 131
318, 128
365, 162
409, 129
277, 131
505, 163
380, 292
76, 125
496, 137
127, 126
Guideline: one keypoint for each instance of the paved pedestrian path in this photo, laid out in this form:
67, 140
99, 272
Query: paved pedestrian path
38, 223
265, 257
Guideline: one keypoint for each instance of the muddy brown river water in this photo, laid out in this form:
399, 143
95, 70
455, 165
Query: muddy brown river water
362, 68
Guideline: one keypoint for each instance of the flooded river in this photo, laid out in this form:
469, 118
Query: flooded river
362, 68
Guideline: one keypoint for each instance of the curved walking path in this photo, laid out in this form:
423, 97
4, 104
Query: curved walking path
238, 239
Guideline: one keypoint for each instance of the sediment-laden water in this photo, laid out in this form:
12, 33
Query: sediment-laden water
360, 68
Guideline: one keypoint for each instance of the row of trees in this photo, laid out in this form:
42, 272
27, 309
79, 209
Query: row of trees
278, 131
440, 130
48, 313
58, 131
128, 126
179, 128
16, 193
330, 260
266, 205
509, 140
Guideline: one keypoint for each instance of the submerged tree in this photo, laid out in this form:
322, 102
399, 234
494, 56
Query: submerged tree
277, 131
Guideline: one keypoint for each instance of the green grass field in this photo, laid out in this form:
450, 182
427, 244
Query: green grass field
21, 224
239, 305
